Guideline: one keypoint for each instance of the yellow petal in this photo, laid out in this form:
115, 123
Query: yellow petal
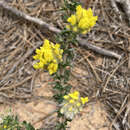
70, 109
73, 96
78, 104
75, 29
82, 100
36, 66
46, 44
35, 57
66, 97
76, 93
52, 68
86, 99
72, 20
71, 101
79, 11
38, 51
68, 27
84, 32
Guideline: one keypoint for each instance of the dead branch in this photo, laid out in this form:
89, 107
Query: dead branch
38, 21
93, 69
97, 49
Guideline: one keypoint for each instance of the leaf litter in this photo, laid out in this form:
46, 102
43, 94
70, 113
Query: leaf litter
27, 93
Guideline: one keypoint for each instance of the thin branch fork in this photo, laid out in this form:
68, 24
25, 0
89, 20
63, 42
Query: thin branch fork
38, 21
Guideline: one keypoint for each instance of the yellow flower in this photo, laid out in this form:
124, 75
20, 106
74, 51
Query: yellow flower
58, 52
79, 12
78, 104
84, 100
84, 32
46, 44
73, 96
76, 93
72, 104
71, 101
75, 29
71, 108
72, 19
5, 126
39, 65
66, 97
82, 21
48, 56
68, 27
52, 68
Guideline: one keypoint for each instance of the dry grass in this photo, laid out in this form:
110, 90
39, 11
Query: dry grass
100, 78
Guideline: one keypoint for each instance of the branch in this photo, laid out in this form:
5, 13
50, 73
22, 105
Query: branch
98, 49
38, 21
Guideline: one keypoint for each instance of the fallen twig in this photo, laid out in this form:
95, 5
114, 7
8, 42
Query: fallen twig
98, 49
56, 30
94, 71
126, 112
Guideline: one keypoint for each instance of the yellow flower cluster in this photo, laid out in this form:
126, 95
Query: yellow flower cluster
82, 21
48, 56
72, 104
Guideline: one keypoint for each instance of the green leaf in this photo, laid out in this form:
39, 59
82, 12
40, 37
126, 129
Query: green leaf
58, 98
58, 86
28, 126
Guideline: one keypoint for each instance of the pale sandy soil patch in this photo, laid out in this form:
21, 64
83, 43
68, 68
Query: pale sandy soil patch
93, 117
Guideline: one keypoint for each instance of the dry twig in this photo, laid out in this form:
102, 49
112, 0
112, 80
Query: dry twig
98, 49
94, 71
